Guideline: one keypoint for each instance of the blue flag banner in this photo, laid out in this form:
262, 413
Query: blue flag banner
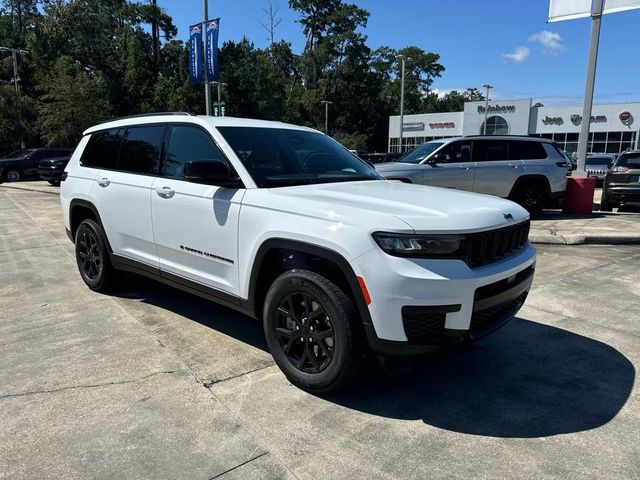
211, 50
195, 53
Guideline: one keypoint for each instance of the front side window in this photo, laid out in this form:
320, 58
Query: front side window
140, 151
102, 150
456, 152
277, 157
186, 144
489, 150
420, 153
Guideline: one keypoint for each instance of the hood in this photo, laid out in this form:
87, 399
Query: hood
379, 205
387, 167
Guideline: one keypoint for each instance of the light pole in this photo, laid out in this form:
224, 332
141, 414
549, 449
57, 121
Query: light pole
486, 108
16, 80
326, 115
219, 85
207, 86
402, 59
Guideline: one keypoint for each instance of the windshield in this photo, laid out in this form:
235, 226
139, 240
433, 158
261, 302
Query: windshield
19, 153
599, 161
421, 152
278, 157
630, 160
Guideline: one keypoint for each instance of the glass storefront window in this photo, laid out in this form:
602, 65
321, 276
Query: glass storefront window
571, 147
572, 137
600, 137
613, 147
560, 137
596, 147
614, 136
627, 135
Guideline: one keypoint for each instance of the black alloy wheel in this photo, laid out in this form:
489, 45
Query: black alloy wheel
305, 332
92, 256
91, 261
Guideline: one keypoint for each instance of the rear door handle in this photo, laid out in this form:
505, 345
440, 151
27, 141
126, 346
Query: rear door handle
513, 165
104, 182
165, 192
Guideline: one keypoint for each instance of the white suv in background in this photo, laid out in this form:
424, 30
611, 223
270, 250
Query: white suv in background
284, 224
530, 171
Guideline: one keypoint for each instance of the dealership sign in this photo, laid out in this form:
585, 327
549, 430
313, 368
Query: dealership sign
498, 109
552, 120
626, 118
442, 125
413, 127
577, 119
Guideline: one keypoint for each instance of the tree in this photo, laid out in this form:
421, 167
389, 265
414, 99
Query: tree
72, 100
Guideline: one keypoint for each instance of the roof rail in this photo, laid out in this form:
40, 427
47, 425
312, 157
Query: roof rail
153, 114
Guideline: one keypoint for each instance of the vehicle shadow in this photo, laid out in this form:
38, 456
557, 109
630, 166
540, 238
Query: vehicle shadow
205, 312
526, 380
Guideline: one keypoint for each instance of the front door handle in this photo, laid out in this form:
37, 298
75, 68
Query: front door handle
165, 192
513, 165
464, 167
104, 182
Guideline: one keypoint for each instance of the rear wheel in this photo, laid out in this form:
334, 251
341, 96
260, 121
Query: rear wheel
13, 175
606, 205
531, 197
55, 183
311, 331
92, 256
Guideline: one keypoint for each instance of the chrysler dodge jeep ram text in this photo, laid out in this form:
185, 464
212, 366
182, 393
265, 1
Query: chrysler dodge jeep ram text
284, 224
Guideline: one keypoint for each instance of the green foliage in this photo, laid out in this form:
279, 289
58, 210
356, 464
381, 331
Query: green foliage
90, 60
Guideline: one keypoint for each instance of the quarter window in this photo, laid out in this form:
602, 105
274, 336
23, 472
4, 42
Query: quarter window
102, 150
140, 152
489, 150
524, 150
188, 144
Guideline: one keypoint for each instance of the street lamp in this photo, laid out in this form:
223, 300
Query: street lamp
403, 59
219, 84
326, 115
207, 85
16, 79
486, 107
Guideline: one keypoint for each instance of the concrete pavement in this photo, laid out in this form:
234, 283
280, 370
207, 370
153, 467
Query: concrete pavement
152, 383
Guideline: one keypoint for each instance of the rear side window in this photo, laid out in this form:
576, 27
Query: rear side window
102, 150
489, 150
140, 151
187, 144
524, 150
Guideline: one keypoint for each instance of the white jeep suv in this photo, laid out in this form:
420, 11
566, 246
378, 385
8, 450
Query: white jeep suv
284, 224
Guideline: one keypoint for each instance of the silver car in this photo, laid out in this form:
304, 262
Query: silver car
529, 170
597, 165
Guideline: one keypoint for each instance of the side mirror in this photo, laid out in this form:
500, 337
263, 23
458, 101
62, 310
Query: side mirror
435, 159
370, 163
210, 172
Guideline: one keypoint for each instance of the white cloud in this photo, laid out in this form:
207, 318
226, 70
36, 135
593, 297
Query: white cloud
519, 55
551, 42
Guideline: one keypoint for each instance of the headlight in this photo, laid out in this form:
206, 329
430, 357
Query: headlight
425, 246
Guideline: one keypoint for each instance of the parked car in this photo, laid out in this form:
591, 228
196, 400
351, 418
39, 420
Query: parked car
283, 224
597, 165
23, 164
51, 169
573, 164
622, 181
530, 171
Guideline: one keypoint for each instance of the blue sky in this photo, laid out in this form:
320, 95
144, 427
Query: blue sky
507, 43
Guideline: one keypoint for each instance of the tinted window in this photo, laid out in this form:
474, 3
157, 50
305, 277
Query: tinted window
523, 150
277, 157
140, 151
631, 160
102, 150
456, 152
188, 144
39, 155
489, 150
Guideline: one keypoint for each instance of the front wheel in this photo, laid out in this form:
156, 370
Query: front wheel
531, 198
13, 175
311, 331
605, 204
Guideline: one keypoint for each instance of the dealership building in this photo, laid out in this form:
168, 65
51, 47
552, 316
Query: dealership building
613, 126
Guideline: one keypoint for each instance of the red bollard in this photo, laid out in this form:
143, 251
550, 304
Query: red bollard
578, 198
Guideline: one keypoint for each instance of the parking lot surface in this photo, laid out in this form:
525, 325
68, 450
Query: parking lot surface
149, 382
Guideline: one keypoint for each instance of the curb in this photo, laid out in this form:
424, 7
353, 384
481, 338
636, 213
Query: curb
597, 239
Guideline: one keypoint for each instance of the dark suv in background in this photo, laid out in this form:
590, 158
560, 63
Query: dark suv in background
24, 164
51, 169
622, 182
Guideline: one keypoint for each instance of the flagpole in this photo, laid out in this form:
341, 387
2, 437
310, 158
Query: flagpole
207, 86
583, 139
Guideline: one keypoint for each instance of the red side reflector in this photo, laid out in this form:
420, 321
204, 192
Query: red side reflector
64, 176
365, 292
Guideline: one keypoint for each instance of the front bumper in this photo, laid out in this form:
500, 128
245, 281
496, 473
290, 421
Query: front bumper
422, 306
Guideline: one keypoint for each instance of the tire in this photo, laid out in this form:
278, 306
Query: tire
323, 319
12, 175
92, 256
55, 183
531, 198
606, 205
